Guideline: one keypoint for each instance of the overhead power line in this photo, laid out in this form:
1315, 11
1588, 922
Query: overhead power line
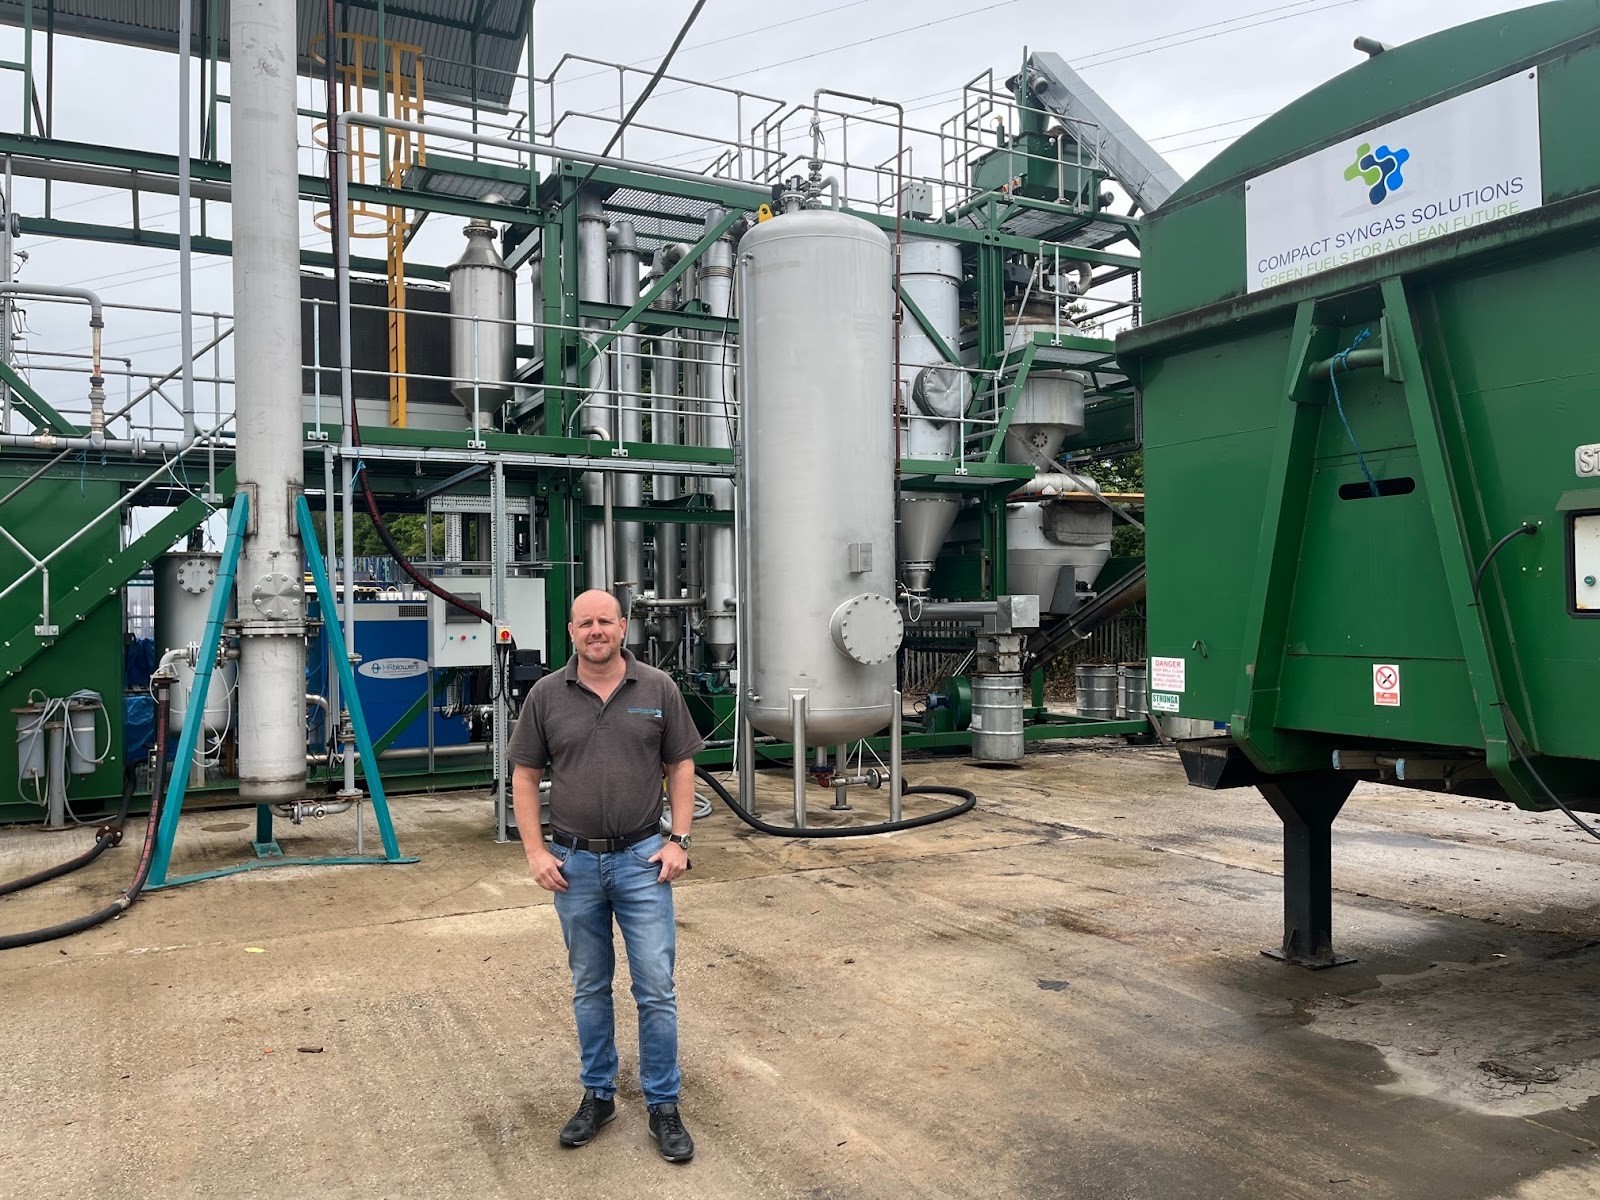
1153, 45
666, 60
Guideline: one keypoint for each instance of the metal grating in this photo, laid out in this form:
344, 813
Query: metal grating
443, 28
1106, 376
1032, 223
464, 186
660, 217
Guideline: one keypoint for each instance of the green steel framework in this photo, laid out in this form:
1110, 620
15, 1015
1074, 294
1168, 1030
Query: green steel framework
92, 579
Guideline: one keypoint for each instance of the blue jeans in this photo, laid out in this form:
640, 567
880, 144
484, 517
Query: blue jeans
621, 884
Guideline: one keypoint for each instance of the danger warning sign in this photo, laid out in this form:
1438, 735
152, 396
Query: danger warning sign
1386, 685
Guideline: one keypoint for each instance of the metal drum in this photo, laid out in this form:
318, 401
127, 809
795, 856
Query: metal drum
996, 727
1133, 698
1097, 692
815, 341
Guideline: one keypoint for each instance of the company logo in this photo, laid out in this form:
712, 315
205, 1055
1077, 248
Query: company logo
394, 668
1379, 170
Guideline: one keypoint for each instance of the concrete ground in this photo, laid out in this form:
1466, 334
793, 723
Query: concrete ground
1057, 995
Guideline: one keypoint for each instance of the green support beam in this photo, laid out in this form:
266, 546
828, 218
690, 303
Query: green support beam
946, 351
1442, 487
34, 407
656, 319
1013, 394
1287, 501
156, 239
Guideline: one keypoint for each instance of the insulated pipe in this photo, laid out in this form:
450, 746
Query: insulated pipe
668, 601
717, 383
96, 316
664, 398
5, 307
607, 536
339, 219
331, 565
594, 286
111, 177
628, 490
270, 466
137, 447
97, 395
185, 238
956, 610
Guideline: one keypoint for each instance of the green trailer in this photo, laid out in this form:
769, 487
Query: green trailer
1371, 372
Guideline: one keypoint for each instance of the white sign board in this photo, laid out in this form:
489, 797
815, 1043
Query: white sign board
1167, 702
1386, 685
1166, 674
1456, 165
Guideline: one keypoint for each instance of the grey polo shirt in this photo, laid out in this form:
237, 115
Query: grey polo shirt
606, 759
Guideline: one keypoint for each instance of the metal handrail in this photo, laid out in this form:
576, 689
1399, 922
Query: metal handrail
41, 565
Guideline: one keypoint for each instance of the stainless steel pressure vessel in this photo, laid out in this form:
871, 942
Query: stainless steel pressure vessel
818, 431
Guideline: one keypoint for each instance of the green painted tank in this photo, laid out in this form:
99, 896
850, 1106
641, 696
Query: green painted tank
1371, 384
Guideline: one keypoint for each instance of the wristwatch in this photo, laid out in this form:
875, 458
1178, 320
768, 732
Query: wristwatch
681, 838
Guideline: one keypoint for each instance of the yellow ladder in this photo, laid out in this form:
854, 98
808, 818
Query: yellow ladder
395, 73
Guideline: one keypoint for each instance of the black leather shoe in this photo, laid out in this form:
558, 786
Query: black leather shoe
592, 1113
666, 1126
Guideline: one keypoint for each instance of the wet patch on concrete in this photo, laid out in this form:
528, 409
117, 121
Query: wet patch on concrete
1514, 1036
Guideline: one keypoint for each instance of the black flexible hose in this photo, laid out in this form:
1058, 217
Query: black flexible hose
50, 933
1526, 529
1517, 747
969, 800
107, 836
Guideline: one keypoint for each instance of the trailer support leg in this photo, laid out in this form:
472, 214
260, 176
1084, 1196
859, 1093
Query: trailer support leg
1307, 805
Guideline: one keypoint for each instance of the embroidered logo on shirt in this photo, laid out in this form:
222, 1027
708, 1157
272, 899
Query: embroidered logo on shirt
645, 712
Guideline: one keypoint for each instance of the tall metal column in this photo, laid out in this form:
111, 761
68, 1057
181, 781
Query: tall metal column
665, 402
629, 489
594, 285
500, 550
266, 288
717, 369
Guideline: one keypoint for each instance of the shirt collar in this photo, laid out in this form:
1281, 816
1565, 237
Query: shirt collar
630, 674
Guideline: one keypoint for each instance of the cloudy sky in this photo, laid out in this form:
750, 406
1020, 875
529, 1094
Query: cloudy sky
1189, 77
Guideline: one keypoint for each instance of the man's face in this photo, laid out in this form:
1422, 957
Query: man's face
597, 628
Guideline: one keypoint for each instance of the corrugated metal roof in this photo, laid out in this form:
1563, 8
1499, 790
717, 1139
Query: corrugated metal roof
443, 28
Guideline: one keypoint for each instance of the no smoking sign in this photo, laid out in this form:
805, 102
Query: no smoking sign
1386, 685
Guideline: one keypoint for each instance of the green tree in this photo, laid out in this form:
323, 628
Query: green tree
406, 529
1124, 473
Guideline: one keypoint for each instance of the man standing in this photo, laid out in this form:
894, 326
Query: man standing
609, 727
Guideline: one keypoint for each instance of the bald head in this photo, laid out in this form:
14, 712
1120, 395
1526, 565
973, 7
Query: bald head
596, 601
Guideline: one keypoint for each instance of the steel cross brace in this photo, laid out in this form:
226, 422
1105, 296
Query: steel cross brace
172, 805
1287, 498
34, 407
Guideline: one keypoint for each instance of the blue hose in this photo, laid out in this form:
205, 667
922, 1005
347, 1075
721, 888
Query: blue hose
1341, 361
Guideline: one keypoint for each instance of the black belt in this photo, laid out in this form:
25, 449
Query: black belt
603, 845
